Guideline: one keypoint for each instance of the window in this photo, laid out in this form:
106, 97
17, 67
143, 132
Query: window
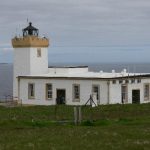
126, 81
120, 81
38, 52
95, 89
132, 80
146, 92
31, 90
76, 92
138, 80
49, 91
124, 94
114, 81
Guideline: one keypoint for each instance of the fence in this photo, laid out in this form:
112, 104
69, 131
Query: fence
10, 101
58, 113
72, 114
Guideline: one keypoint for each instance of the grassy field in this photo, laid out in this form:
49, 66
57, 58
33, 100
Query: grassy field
112, 127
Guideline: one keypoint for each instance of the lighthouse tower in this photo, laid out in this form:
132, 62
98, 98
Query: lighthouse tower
30, 55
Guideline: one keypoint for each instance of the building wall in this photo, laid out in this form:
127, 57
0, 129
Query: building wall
141, 88
26, 62
21, 66
109, 93
115, 90
135, 86
40, 98
115, 93
38, 65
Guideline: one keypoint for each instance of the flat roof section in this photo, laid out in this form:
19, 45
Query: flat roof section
68, 67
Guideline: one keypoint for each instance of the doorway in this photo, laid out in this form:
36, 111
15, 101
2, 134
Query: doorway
61, 96
136, 96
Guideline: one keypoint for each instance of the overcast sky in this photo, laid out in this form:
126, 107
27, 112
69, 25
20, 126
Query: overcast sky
81, 30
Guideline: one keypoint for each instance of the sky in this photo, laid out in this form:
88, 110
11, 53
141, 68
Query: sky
81, 30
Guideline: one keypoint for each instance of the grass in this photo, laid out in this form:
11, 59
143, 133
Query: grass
111, 127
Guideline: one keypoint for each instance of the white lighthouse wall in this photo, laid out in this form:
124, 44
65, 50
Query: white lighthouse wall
21, 61
40, 98
38, 65
26, 62
21, 66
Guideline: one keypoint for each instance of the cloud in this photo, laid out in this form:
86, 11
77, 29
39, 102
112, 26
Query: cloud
80, 23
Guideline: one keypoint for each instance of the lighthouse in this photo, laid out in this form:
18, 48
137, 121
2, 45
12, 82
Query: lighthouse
34, 83
30, 55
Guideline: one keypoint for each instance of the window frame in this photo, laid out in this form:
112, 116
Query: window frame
124, 93
138, 80
97, 93
114, 81
126, 81
39, 52
46, 91
146, 97
120, 81
29, 91
75, 99
132, 81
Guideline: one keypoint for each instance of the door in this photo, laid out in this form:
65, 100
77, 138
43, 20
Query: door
61, 96
135, 96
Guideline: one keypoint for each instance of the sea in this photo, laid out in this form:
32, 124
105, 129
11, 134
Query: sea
6, 72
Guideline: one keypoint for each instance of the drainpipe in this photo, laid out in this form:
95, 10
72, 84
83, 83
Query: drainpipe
108, 91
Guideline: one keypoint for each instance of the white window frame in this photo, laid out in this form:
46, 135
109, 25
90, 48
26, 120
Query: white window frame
146, 92
98, 91
138, 80
124, 93
114, 81
76, 94
49, 92
132, 81
39, 52
126, 81
120, 81
31, 92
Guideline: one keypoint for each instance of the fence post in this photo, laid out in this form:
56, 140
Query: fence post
80, 114
75, 115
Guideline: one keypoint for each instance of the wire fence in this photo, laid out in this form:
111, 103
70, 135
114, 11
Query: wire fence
58, 113
63, 113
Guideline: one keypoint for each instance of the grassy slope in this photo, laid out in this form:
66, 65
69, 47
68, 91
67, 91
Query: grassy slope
117, 127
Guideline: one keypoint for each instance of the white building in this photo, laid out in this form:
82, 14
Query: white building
35, 83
